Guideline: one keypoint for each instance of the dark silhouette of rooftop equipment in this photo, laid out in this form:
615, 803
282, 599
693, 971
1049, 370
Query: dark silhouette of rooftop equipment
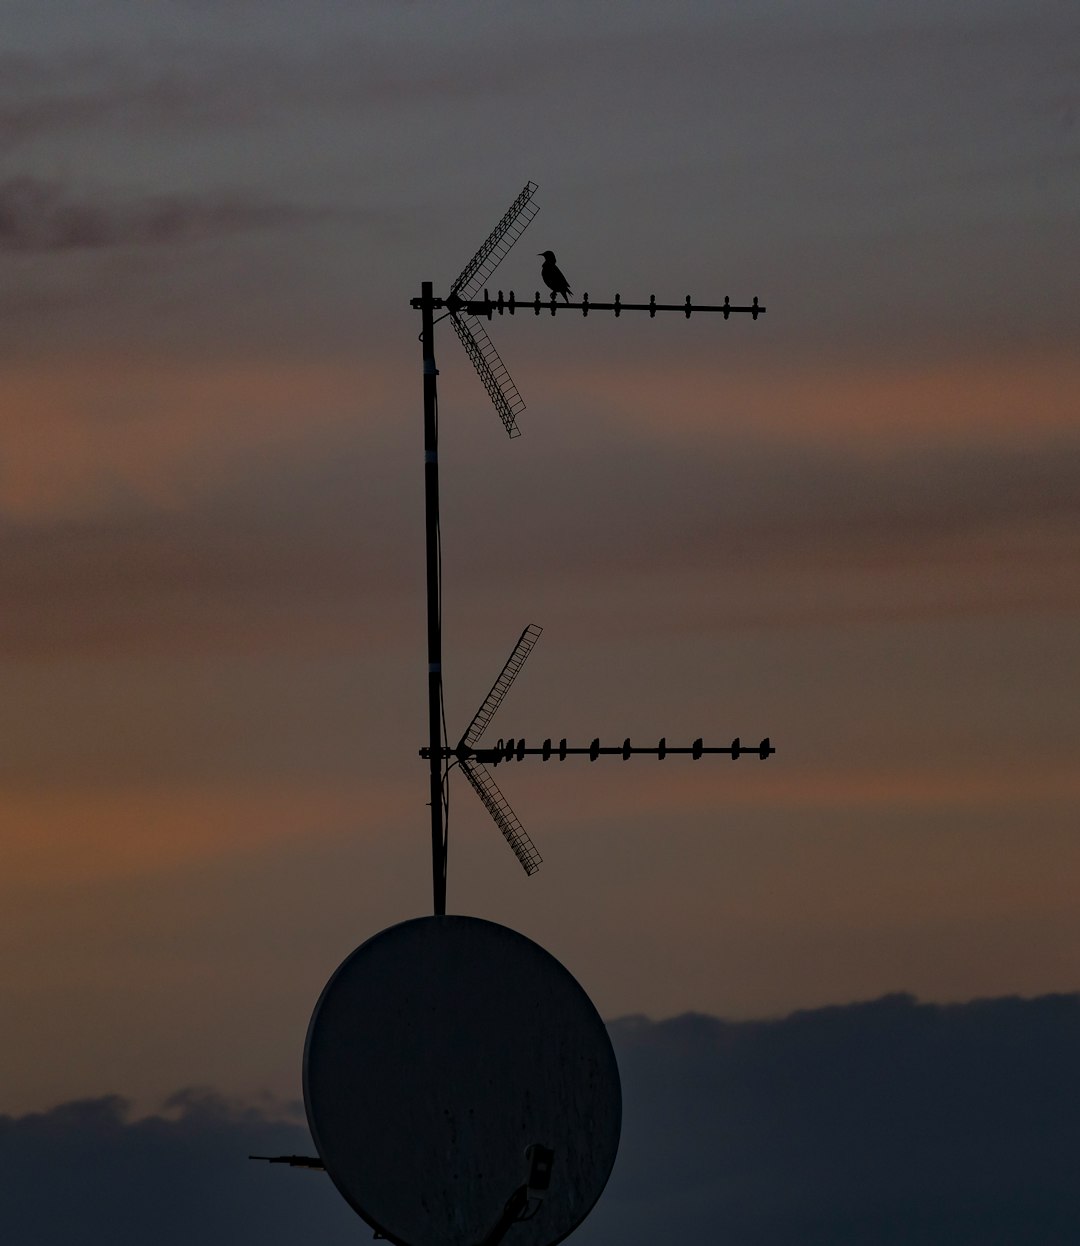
443, 1047
460, 1087
466, 309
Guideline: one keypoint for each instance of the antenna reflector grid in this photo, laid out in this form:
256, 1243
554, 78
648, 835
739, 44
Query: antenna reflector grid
504, 817
517, 218
502, 685
492, 371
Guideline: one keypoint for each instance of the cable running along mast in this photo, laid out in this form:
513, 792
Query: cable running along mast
466, 308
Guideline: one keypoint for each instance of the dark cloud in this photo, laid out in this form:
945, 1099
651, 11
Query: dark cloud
41, 216
867, 1124
885, 1122
87, 1172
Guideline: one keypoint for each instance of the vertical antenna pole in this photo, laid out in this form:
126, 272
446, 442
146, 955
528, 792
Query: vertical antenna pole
434, 605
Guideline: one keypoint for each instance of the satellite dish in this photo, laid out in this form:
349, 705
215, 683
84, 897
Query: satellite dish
461, 1088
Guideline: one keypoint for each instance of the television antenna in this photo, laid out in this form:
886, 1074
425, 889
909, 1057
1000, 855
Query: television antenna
466, 309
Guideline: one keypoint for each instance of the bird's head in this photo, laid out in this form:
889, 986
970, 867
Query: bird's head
546, 255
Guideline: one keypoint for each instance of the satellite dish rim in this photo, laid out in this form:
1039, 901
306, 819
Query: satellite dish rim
373, 1221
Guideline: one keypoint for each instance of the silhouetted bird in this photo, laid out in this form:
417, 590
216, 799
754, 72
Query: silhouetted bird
553, 278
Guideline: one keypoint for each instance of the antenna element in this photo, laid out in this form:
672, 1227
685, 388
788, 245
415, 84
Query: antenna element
504, 817
474, 337
515, 221
502, 685
492, 371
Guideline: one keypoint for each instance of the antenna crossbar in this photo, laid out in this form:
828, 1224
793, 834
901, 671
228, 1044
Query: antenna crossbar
509, 304
517, 750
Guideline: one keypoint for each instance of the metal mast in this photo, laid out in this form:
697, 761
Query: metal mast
508, 402
434, 603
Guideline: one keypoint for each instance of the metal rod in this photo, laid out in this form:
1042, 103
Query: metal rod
512, 751
434, 605
511, 304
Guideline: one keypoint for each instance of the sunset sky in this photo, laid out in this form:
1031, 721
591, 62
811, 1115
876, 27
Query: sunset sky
852, 525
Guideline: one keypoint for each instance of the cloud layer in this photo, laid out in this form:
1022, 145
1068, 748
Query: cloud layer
877, 1123
886, 1122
